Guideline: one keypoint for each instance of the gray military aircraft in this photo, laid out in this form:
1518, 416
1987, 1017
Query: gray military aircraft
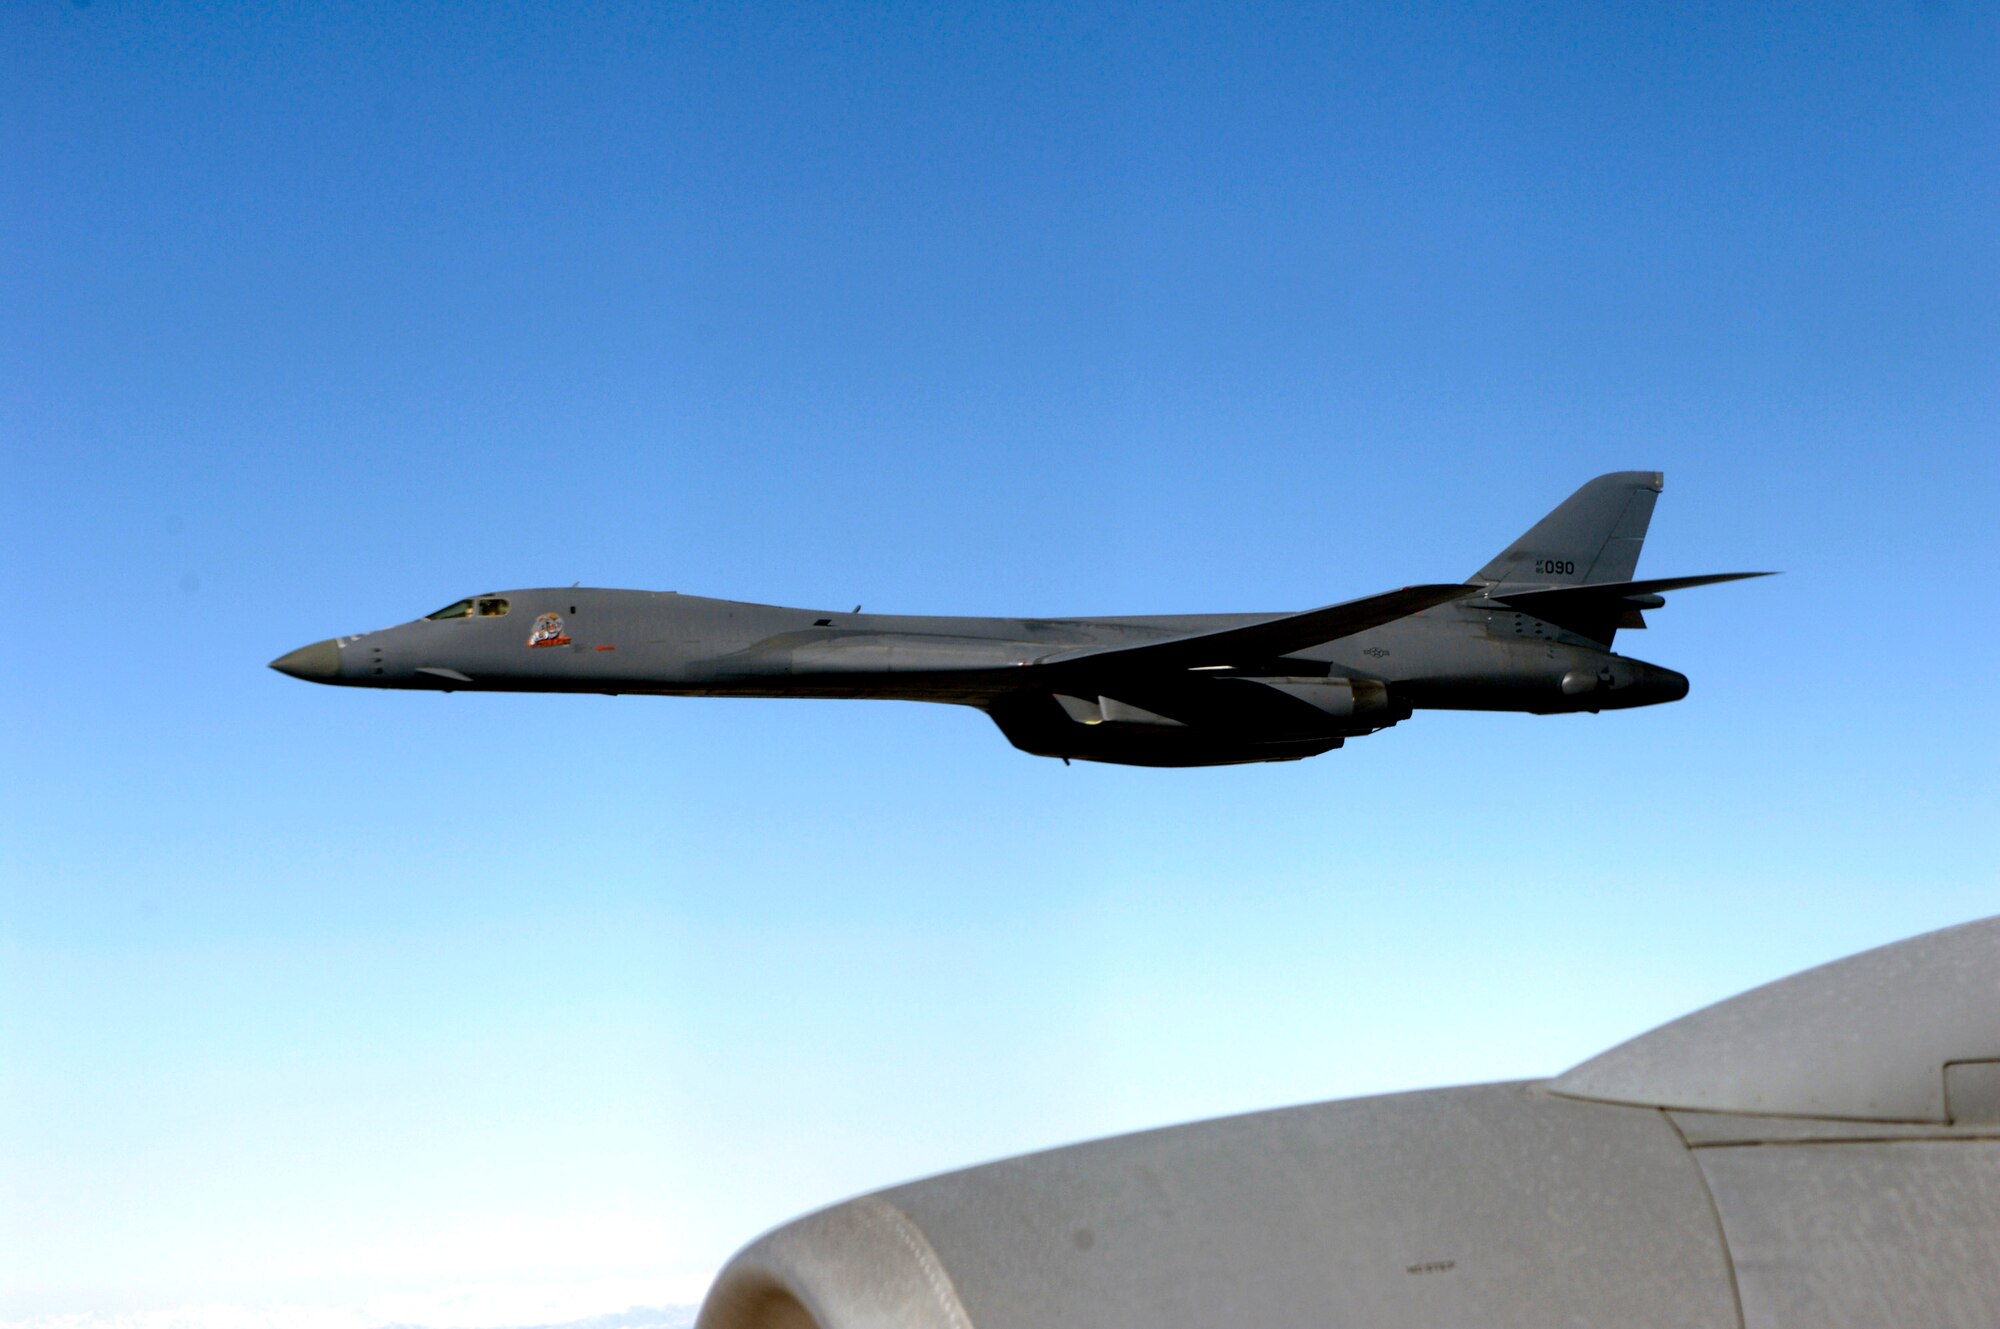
1531, 631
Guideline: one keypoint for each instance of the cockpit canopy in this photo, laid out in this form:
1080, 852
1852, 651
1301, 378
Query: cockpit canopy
480, 606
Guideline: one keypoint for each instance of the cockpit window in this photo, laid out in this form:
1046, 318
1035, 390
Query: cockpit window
490, 606
459, 610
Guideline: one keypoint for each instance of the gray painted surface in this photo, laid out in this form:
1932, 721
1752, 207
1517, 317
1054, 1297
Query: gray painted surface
1609, 515
1703, 1130
1493, 1206
1902, 1235
1866, 1038
1180, 690
1972, 1093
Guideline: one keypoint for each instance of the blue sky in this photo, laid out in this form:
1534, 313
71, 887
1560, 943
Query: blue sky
320, 317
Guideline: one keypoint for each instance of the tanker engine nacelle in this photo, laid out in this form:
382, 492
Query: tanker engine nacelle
1819, 1153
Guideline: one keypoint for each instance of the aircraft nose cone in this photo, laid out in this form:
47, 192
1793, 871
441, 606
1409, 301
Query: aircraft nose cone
1672, 686
315, 663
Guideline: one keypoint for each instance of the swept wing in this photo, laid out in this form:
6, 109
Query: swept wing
1261, 642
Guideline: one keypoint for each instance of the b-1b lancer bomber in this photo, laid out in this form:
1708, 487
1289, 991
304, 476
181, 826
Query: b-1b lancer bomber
1531, 631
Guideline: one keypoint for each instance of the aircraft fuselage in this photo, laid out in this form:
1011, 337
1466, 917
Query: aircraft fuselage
1531, 632
1455, 656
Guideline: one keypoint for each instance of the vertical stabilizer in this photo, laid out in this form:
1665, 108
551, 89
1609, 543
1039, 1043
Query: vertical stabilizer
1593, 535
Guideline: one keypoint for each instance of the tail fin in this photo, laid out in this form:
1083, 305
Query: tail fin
1593, 535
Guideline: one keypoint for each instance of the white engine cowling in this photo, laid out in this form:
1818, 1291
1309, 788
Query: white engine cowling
1821, 1153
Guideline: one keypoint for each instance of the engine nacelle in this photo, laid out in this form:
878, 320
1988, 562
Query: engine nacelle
1361, 700
1820, 1153
1354, 706
1220, 721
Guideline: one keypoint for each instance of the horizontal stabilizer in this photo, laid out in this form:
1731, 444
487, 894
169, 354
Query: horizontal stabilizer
1612, 591
1598, 609
1269, 640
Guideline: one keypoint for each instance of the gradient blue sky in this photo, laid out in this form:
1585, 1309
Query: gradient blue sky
318, 317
